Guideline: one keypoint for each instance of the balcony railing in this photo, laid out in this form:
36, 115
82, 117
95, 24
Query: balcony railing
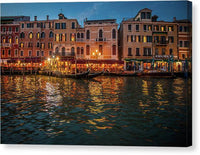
161, 43
80, 39
100, 39
6, 45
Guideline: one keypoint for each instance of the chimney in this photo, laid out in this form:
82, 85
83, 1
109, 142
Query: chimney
35, 18
47, 17
174, 19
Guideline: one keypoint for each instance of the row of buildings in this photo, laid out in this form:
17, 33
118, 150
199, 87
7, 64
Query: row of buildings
141, 42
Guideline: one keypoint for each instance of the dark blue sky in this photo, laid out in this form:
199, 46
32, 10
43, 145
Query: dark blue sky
166, 10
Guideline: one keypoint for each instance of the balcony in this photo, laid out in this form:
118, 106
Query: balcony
161, 43
80, 39
100, 39
6, 45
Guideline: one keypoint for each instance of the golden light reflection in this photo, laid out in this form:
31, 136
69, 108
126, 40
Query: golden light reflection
145, 87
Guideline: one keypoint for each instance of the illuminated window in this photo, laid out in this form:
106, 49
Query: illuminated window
72, 37
4, 40
31, 35
170, 28
101, 49
16, 40
162, 28
156, 27
22, 45
144, 39
137, 38
63, 37
10, 40
149, 27
57, 37
38, 35
129, 38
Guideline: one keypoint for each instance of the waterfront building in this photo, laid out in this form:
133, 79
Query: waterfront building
101, 43
184, 43
9, 41
145, 43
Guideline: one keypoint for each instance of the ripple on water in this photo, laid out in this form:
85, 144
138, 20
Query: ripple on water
110, 110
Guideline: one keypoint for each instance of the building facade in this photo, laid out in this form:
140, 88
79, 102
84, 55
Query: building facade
9, 41
145, 42
101, 39
140, 43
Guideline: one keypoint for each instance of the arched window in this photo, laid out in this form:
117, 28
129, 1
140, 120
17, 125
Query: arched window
51, 34
57, 51
21, 44
72, 51
22, 35
30, 35
88, 50
38, 35
38, 44
88, 34
4, 40
114, 50
63, 51
78, 50
16, 40
10, 40
82, 50
100, 34
114, 34
42, 35
78, 35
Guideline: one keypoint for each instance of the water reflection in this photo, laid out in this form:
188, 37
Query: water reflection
107, 110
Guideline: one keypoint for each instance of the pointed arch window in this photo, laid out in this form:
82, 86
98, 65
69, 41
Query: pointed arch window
42, 35
51, 34
30, 35
57, 51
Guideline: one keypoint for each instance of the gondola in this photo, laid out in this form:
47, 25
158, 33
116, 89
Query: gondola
92, 75
78, 75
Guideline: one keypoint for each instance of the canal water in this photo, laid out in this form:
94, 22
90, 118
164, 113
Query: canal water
103, 111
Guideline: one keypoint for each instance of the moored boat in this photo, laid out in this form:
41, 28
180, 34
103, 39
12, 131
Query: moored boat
92, 75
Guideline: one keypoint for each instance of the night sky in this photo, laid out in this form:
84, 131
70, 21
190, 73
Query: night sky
166, 10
